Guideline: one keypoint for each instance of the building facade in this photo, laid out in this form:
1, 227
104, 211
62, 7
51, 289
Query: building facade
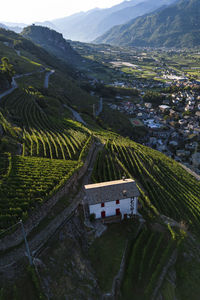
112, 198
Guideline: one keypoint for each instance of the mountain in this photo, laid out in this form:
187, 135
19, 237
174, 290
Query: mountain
53, 42
3, 26
46, 24
86, 26
175, 26
46, 158
12, 26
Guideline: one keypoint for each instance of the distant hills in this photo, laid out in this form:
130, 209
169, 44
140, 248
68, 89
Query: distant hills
12, 26
86, 26
53, 42
175, 26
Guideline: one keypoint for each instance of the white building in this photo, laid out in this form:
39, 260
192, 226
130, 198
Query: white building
112, 198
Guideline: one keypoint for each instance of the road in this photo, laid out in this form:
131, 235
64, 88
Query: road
46, 80
100, 107
76, 115
14, 84
13, 87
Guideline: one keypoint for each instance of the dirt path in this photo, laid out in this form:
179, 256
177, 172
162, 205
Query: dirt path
191, 172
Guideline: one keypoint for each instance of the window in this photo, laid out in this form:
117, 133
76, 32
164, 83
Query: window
117, 201
124, 192
102, 204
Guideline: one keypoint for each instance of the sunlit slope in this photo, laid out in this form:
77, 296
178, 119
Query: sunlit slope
169, 189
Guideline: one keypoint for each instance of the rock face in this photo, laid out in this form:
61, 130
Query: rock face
65, 271
53, 42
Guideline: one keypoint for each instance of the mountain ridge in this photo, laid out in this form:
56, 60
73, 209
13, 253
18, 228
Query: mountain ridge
174, 26
89, 25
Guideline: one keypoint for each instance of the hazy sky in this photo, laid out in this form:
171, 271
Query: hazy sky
29, 11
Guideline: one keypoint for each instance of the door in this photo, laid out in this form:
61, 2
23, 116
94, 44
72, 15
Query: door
117, 211
103, 214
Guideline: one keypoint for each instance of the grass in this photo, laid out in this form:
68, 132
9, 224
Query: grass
23, 289
145, 72
36, 80
21, 64
168, 290
188, 278
106, 252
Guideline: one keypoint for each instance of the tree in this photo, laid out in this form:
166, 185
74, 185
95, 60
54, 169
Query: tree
7, 69
6, 73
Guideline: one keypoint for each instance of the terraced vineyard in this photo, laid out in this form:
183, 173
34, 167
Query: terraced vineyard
28, 182
42, 136
49, 150
169, 189
148, 256
5, 164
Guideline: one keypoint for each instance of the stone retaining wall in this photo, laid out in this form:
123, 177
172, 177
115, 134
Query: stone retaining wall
16, 238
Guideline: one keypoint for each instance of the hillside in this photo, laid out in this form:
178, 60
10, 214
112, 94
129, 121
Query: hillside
23, 52
46, 158
53, 42
174, 26
36, 122
86, 26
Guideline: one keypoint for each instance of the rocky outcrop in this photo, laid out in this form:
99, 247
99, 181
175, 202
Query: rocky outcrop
53, 42
65, 271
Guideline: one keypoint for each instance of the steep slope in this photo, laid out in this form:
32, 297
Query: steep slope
124, 15
27, 57
53, 42
174, 26
51, 148
21, 51
89, 25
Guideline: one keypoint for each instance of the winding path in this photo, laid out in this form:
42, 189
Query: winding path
14, 84
13, 87
100, 107
76, 115
46, 80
